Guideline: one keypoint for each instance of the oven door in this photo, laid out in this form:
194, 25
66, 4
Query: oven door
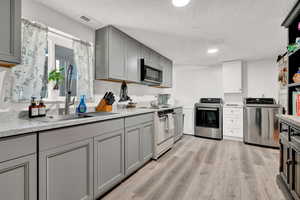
207, 117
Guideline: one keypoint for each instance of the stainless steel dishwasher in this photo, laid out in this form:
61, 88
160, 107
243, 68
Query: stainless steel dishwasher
261, 126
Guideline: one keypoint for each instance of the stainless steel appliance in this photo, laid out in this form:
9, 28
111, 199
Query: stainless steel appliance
150, 75
261, 126
163, 99
208, 118
164, 132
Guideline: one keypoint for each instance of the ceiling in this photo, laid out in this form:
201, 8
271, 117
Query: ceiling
241, 29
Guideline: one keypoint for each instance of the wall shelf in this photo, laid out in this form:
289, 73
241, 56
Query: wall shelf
294, 85
291, 23
294, 52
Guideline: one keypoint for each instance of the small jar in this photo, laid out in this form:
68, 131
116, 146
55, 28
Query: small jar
296, 77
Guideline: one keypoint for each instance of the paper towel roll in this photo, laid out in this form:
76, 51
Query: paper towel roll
4, 107
2, 75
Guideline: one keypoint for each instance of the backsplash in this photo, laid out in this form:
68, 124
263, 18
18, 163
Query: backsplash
141, 94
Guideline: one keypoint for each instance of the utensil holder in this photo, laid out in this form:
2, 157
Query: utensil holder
103, 106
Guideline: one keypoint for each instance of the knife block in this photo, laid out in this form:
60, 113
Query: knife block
103, 106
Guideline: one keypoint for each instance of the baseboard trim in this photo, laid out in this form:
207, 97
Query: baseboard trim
233, 138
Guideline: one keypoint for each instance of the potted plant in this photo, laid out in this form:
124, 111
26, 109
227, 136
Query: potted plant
57, 77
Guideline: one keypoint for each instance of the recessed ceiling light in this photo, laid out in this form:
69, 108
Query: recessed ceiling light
213, 50
180, 3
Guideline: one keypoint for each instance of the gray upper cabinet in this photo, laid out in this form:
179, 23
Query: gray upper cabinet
108, 161
10, 31
116, 61
18, 168
167, 67
132, 60
110, 54
151, 57
66, 172
118, 57
155, 60
146, 54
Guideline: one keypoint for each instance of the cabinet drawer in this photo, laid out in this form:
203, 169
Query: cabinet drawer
139, 119
59, 137
11, 148
233, 132
232, 123
232, 111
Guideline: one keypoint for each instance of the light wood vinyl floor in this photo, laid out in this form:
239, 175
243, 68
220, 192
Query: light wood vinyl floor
204, 169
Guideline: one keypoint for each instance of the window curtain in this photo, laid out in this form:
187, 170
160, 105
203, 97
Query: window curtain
28, 78
83, 57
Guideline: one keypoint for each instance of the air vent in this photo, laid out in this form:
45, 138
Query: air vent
86, 19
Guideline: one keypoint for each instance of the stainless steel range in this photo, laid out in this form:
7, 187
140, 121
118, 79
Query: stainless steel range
208, 118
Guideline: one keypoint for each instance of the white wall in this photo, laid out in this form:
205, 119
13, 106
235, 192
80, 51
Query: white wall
37, 12
262, 78
134, 90
193, 82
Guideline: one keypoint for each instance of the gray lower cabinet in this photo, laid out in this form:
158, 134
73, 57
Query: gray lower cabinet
10, 31
139, 136
147, 135
66, 172
132, 149
108, 161
18, 168
18, 179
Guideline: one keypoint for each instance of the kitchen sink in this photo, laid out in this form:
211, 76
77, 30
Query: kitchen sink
99, 114
57, 118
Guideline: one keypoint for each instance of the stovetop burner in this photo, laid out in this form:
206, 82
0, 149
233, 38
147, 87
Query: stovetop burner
260, 101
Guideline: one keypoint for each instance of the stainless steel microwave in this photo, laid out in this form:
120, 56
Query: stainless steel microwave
150, 75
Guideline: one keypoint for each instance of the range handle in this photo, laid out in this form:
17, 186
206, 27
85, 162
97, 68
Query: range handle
208, 109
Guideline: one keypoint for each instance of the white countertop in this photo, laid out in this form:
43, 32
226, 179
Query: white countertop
290, 118
16, 126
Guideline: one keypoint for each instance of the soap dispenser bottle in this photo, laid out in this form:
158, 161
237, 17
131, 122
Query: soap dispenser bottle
33, 109
82, 108
42, 108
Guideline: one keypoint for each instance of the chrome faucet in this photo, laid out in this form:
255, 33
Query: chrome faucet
68, 90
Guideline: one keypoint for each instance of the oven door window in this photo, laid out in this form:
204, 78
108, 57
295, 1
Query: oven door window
207, 117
